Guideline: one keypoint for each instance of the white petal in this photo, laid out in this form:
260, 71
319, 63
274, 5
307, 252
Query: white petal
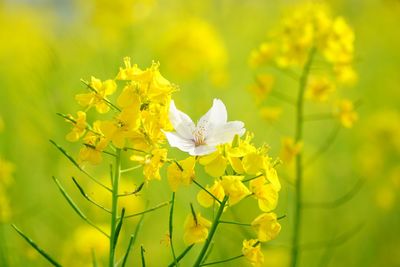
225, 133
202, 150
216, 115
175, 140
182, 123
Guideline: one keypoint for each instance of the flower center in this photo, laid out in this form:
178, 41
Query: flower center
199, 136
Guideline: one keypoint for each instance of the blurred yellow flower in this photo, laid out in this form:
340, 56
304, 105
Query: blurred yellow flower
5, 209
78, 249
195, 229
6, 172
319, 88
289, 149
193, 46
345, 112
262, 87
266, 226
234, 188
182, 174
98, 95
216, 189
252, 251
79, 127
271, 114
262, 55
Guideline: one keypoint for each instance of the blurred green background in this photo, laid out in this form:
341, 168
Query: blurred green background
203, 46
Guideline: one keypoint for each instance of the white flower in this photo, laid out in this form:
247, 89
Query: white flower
211, 130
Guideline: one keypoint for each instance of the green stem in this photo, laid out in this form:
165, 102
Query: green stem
114, 207
171, 214
222, 261
208, 192
183, 254
237, 223
211, 233
298, 163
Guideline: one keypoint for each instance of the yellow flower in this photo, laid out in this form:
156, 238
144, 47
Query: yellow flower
6, 171
265, 193
122, 127
197, 40
319, 88
129, 97
262, 55
234, 188
345, 74
345, 113
252, 251
237, 150
151, 168
97, 98
253, 162
339, 45
271, 114
94, 144
5, 211
182, 174
262, 87
205, 199
195, 229
214, 163
79, 128
266, 226
290, 149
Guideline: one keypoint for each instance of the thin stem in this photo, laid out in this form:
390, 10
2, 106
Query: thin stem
103, 98
252, 178
299, 165
142, 255
208, 192
73, 161
114, 207
211, 233
339, 201
324, 147
171, 215
137, 190
283, 97
131, 169
86, 196
222, 261
183, 254
237, 223
149, 210
318, 117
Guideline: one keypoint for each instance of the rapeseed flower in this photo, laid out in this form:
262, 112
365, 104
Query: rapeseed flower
195, 229
252, 252
267, 227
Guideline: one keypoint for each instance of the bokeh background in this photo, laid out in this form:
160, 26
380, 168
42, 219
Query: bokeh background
203, 46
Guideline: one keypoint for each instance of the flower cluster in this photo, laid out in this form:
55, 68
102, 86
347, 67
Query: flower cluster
139, 117
237, 169
310, 29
